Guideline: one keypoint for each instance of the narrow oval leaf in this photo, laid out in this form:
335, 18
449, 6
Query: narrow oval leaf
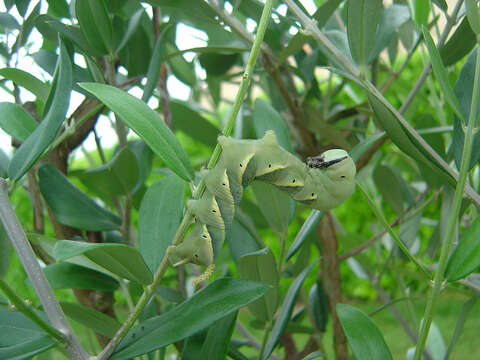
55, 110
459, 44
159, 217
218, 338
260, 266
420, 10
71, 276
192, 123
363, 335
95, 24
240, 240
71, 206
16, 121
210, 304
362, 23
27, 349
319, 304
147, 124
274, 204
265, 118
441, 75
92, 319
16, 328
122, 260
285, 312
466, 257
393, 187
473, 15
27, 81
117, 177
302, 235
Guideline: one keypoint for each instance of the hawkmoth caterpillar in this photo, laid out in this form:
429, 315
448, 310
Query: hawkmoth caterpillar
322, 183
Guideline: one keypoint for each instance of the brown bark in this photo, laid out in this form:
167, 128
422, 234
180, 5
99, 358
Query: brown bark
330, 274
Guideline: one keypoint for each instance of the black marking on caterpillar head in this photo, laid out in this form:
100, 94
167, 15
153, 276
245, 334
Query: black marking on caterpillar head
318, 162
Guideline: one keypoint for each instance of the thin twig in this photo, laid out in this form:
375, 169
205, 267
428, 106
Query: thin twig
35, 274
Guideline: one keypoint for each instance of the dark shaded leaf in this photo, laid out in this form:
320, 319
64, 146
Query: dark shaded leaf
363, 19
319, 304
218, 338
54, 114
260, 266
459, 44
265, 118
16, 121
8, 22
189, 121
70, 276
240, 241
92, 319
27, 349
363, 336
465, 259
16, 328
95, 24
325, 11
122, 260
71, 206
462, 317
285, 312
159, 217
392, 187
147, 124
302, 235
224, 295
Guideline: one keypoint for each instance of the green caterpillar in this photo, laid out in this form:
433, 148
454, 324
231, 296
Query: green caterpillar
322, 183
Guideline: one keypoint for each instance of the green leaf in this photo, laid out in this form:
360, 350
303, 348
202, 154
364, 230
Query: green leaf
442, 75
27, 81
189, 121
265, 118
302, 235
473, 15
393, 188
459, 44
391, 19
240, 240
362, 23
181, 68
296, 43
465, 259
27, 27
218, 338
16, 328
324, 12
420, 10
27, 349
169, 294
71, 206
70, 276
260, 266
285, 312
4, 161
92, 319
133, 23
364, 338
462, 317
274, 204
463, 91
16, 121
155, 64
147, 124
95, 24
122, 260
117, 177
54, 114
22, 6
205, 307
8, 22
159, 217
319, 305
58, 8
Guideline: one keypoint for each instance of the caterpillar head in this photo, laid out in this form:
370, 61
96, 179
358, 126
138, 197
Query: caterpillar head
338, 168
196, 248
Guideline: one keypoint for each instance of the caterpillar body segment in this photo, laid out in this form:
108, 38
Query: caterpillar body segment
322, 183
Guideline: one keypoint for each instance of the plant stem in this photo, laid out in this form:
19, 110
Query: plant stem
27, 310
454, 211
399, 242
187, 218
268, 329
35, 274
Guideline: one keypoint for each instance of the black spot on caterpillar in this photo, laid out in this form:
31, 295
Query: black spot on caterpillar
322, 183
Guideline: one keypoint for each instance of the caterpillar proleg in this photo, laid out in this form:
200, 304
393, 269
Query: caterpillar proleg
322, 183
